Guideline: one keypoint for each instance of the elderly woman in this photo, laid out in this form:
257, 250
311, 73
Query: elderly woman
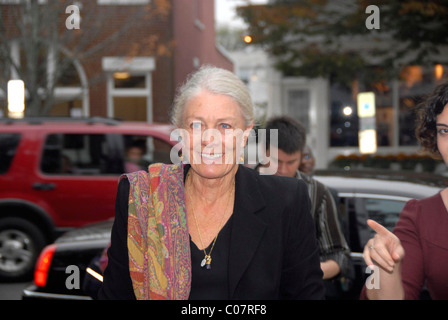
212, 229
416, 253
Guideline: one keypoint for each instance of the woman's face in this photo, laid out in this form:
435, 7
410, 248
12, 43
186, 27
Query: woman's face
442, 133
214, 129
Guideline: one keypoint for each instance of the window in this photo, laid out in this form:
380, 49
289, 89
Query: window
129, 96
141, 151
130, 108
384, 211
71, 89
384, 113
344, 114
125, 80
67, 107
79, 154
99, 154
8, 146
343, 124
244, 74
298, 106
395, 103
129, 88
3, 105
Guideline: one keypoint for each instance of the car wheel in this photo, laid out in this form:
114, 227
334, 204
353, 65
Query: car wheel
20, 245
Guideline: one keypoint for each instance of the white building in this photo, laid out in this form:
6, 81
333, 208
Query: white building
319, 105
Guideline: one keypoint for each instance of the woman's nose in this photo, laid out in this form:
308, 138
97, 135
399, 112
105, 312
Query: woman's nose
211, 137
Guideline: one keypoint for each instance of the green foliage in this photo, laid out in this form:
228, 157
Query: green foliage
315, 38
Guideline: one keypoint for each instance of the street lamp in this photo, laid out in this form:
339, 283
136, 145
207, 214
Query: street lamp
16, 98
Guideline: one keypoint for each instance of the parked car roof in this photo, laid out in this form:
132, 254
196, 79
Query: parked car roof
99, 231
404, 184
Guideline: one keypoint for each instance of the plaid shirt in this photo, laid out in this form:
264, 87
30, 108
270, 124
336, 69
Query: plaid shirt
332, 242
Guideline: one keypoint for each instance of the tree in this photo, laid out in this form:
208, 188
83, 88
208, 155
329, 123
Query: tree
50, 36
331, 38
230, 38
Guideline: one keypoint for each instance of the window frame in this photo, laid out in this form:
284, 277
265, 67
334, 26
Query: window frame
138, 66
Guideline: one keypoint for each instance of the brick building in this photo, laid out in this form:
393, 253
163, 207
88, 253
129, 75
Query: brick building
127, 57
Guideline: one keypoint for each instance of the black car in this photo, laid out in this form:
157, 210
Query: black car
72, 265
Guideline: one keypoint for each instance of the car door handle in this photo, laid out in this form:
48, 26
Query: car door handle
43, 186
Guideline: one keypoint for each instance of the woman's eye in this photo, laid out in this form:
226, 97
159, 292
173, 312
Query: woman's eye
443, 131
195, 125
225, 126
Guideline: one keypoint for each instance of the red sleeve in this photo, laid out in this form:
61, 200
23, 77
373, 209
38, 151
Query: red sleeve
412, 266
412, 270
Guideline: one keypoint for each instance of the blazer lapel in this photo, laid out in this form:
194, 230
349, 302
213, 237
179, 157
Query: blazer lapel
247, 227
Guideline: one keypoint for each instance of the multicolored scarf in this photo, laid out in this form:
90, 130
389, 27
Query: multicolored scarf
158, 238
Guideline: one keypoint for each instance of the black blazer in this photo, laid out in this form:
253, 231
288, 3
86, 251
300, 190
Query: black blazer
273, 248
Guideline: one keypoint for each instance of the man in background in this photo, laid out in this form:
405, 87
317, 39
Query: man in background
334, 250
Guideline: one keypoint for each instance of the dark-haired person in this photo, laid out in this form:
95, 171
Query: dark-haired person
334, 250
416, 252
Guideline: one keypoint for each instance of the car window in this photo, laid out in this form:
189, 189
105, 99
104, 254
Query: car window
141, 151
79, 154
384, 211
8, 146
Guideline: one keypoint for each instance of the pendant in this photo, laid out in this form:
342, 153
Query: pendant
206, 262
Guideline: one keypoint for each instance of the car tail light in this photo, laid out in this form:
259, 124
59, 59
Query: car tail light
43, 265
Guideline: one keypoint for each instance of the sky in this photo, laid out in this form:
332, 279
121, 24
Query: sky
225, 11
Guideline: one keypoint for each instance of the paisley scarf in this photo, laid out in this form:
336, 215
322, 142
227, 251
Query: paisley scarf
158, 238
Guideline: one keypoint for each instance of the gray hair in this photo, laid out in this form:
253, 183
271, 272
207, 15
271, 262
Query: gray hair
217, 81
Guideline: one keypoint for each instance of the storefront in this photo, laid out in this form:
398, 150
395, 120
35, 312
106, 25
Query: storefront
328, 110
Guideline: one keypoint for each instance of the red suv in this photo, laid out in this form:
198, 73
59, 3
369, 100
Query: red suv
56, 174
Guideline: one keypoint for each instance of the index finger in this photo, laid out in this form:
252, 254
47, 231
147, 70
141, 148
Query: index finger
377, 227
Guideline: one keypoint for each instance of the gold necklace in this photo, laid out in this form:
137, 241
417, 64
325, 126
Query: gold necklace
207, 257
